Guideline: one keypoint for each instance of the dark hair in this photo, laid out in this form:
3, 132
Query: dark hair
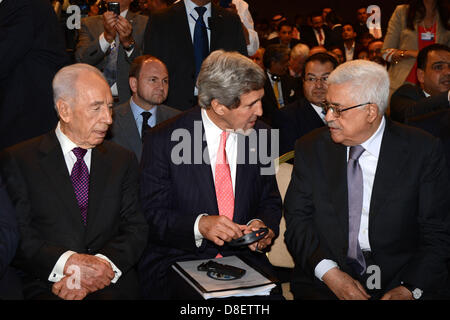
416, 11
422, 57
316, 14
323, 58
285, 23
274, 53
136, 65
333, 18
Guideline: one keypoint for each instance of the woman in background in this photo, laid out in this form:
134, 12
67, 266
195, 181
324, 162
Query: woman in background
412, 27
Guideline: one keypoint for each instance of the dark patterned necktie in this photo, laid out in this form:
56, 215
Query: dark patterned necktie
201, 44
80, 182
145, 116
355, 203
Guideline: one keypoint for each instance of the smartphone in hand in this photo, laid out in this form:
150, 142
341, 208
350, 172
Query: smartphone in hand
114, 7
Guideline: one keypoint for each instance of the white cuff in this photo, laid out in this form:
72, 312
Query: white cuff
116, 270
197, 235
248, 223
104, 45
58, 270
323, 267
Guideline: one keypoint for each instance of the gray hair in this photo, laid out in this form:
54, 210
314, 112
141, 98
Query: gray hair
225, 76
64, 82
369, 81
300, 50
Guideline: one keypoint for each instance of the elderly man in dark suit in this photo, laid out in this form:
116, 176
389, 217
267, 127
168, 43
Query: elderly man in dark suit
305, 114
433, 92
76, 197
31, 52
182, 37
199, 188
110, 42
149, 82
367, 209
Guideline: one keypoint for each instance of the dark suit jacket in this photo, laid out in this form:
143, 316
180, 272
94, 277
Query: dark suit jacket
173, 195
88, 48
409, 101
294, 121
32, 50
291, 89
308, 37
408, 219
168, 37
9, 239
124, 131
438, 124
40, 188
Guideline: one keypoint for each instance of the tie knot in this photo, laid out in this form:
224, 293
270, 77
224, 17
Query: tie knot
79, 152
200, 10
146, 115
356, 152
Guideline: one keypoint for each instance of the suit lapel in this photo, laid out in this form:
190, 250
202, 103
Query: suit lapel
98, 177
181, 28
54, 166
391, 162
128, 126
335, 166
216, 26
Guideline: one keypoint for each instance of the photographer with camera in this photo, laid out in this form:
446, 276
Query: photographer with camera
110, 42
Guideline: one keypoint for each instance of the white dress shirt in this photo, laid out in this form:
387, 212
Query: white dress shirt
67, 146
368, 162
349, 52
316, 33
105, 45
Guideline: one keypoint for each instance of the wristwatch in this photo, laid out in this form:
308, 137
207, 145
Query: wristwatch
416, 292
131, 46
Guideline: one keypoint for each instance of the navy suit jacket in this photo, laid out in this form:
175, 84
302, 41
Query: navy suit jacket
173, 195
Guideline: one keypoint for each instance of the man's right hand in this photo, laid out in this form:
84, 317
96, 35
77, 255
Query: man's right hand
109, 22
96, 273
219, 229
344, 286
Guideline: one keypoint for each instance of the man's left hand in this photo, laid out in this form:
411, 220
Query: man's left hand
62, 289
264, 242
399, 293
125, 31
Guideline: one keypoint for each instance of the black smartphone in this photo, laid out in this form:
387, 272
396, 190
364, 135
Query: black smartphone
225, 3
114, 7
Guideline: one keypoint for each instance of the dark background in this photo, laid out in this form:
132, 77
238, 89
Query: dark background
345, 8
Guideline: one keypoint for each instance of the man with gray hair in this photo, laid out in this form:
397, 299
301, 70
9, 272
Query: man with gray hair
297, 59
200, 187
76, 198
367, 209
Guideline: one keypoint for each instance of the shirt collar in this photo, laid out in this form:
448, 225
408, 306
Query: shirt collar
67, 145
190, 8
211, 127
426, 94
137, 110
373, 144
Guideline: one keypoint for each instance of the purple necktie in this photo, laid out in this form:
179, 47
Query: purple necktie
355, 204
80, 182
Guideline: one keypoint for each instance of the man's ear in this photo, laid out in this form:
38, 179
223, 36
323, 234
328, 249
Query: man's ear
217, 107
133, 84
64, 110
373, 112
420, 76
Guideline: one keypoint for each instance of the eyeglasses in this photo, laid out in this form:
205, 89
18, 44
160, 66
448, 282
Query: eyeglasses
336, 110
314, 80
